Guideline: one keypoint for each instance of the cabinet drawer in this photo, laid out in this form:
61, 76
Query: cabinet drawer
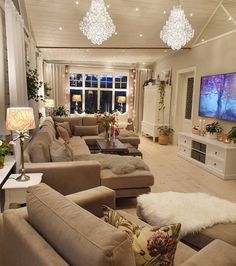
184, 140
215, 164
215, 151
184, 150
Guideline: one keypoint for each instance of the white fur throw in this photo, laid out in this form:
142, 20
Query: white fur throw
117, 164
195, 211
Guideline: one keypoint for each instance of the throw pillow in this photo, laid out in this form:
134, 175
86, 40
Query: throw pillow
65, 125
61, 152
63, 133
151, 246
86, 131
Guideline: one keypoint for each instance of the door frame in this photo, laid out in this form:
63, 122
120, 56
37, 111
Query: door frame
179, 81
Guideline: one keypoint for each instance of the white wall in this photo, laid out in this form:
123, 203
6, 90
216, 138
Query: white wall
214, 57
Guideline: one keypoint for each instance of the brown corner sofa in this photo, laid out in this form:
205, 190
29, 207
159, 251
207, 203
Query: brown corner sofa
57, 230
73, 176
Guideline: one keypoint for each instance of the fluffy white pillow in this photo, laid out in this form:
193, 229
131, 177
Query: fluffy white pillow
61, 152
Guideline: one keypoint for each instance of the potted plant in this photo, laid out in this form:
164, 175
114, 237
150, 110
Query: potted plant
232, 134
213, 129
4, 150
164, 133
60, 111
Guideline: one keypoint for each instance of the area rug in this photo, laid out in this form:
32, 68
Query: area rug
195, 211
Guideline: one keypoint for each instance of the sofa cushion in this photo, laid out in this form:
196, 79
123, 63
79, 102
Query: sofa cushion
74, 121
79, 146
63, 133
86, 131
61, 152
92, 121
65, 125
154, 246
77, 235
39, 148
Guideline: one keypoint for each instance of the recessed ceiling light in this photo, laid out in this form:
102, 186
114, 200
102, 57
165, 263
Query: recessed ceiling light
141, 35
230, 18
164, 12
203, 40
108, 6
76, 2
60, 28
191, 14
136, 9
116, 33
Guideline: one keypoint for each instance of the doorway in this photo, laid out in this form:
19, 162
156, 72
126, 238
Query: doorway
184, 103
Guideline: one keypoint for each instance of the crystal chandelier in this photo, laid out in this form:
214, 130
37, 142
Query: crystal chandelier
177, 31
97, 25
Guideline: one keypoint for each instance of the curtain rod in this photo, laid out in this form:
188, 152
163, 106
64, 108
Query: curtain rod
109, 48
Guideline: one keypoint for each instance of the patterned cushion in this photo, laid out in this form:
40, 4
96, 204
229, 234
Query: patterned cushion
151, 246
65, 125
86, 131
61, 152
63, 133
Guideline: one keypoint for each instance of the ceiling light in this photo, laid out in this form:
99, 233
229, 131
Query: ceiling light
136, 9
164, 12
76, 2
177, 31
141, 35
108, 6
116, 33
97, 25
230, 18
191, 14
60, 28
202, 40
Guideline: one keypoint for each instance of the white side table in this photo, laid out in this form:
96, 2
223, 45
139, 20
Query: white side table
15, 191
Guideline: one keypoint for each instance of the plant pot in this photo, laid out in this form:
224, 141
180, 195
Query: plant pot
211, 136
163, 139
2, 159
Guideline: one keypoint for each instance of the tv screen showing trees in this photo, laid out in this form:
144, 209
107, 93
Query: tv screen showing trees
218, 96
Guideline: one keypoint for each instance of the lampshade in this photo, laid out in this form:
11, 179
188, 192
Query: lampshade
121, 99
20, 119
49, 103
76, 98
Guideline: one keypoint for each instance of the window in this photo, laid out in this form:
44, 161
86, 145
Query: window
91, 81
104, 92
121, 82
76, 80
106, 82
91, 98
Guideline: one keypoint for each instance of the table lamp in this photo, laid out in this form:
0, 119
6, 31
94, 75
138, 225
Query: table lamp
121, 100
20, 120
76, 98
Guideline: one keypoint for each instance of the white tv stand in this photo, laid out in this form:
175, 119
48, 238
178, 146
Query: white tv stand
214, 156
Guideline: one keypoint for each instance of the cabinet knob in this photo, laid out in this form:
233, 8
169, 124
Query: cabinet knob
216, 152
214, 164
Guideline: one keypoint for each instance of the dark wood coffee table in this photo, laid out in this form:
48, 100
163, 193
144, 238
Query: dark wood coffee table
116, 147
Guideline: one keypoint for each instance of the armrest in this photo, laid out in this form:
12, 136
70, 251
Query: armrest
68, 177
93, 199
217, 252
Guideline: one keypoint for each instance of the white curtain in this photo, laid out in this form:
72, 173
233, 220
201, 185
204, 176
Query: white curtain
141, 76
54, 75
16, 56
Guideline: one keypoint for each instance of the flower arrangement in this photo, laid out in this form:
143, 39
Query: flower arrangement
109, 123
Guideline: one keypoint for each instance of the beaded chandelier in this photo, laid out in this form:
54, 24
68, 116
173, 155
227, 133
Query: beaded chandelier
97, 25
177, 31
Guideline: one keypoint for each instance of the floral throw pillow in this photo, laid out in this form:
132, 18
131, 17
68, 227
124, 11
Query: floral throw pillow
151, 246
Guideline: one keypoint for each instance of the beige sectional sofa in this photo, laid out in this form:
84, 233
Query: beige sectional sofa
73, 176
57, 230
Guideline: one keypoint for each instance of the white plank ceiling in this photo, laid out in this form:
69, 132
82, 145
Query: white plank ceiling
209, 18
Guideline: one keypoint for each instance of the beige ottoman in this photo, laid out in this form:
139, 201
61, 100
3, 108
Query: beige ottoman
127, 185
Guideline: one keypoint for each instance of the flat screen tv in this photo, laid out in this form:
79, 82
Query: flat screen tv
218, 96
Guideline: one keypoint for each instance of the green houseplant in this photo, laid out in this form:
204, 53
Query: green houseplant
60, 111
4, 150
232, 134
213, 129
164, 133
